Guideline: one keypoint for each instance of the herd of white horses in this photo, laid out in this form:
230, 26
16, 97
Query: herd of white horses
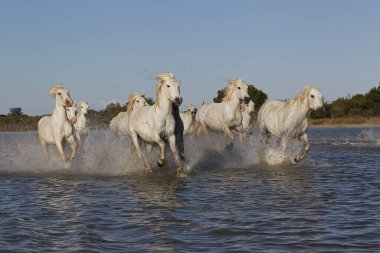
162, 123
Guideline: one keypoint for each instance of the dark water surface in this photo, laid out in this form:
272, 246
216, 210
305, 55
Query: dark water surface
329, 202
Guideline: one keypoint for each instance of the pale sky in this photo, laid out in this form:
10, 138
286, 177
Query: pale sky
102, 50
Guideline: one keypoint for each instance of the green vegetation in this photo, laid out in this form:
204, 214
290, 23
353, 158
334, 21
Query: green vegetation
351, 110
366, 105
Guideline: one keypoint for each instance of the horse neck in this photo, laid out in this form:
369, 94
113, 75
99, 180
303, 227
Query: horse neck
165, 106
299, 111
59, 112
81, 116
234, 104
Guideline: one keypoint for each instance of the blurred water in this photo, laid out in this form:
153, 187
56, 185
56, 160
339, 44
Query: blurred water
230, 202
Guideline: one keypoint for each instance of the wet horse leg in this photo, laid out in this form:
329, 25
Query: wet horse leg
305, 143
173, 147
161, 155
45, 148
135, 141
73, 144
58, 143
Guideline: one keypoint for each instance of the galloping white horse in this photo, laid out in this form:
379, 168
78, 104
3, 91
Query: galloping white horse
56, 129
288, 120
224, 116
248, 112
81, 124
120, 123
155, 124
189, 120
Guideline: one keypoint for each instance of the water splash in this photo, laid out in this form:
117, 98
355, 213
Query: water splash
103, 153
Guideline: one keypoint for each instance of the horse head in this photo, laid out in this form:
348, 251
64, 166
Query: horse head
237, 87
192, 110
135, 100
314, 97
169, 88
62, 96
71, 113
83, 107
250, 108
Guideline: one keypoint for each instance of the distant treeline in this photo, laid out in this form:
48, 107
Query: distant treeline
361, 106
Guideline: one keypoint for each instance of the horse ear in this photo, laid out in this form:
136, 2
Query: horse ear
53, 91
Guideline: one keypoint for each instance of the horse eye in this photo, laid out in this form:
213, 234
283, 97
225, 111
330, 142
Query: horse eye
312, 96
168, 86
239, 88
59, 93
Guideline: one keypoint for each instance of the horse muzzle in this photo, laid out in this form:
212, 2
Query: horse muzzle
178, 101
252, 114
74, 120
246, 100
69, 102
193, 114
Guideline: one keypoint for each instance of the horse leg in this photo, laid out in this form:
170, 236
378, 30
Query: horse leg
305, 143
73, 144
78, 137
58, 143
173, 148
180, 146
136, 144
230, 135
161, 155
45, 148
284, 142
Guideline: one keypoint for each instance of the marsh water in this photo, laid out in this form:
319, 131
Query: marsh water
230, 201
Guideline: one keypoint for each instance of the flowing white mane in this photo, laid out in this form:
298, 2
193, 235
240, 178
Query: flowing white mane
53, 91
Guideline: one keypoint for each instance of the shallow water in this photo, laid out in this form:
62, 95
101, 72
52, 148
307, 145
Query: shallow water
229, 202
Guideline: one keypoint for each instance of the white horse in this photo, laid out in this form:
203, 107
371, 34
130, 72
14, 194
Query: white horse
81, 124
189, 120
225, 116
288, 120
155, 124
248, 112
120, 123
56, 129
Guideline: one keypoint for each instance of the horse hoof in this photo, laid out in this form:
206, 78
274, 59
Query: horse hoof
148, 169
298, 159
161, 163
181, 175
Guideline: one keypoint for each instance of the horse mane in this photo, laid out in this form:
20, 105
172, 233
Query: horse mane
131, 101
302, 96
232, 83
55, 89
162, 78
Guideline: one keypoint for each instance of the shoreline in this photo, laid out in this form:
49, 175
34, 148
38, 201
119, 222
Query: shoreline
345, 126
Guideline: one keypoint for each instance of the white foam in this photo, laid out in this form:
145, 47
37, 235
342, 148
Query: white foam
102, 153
